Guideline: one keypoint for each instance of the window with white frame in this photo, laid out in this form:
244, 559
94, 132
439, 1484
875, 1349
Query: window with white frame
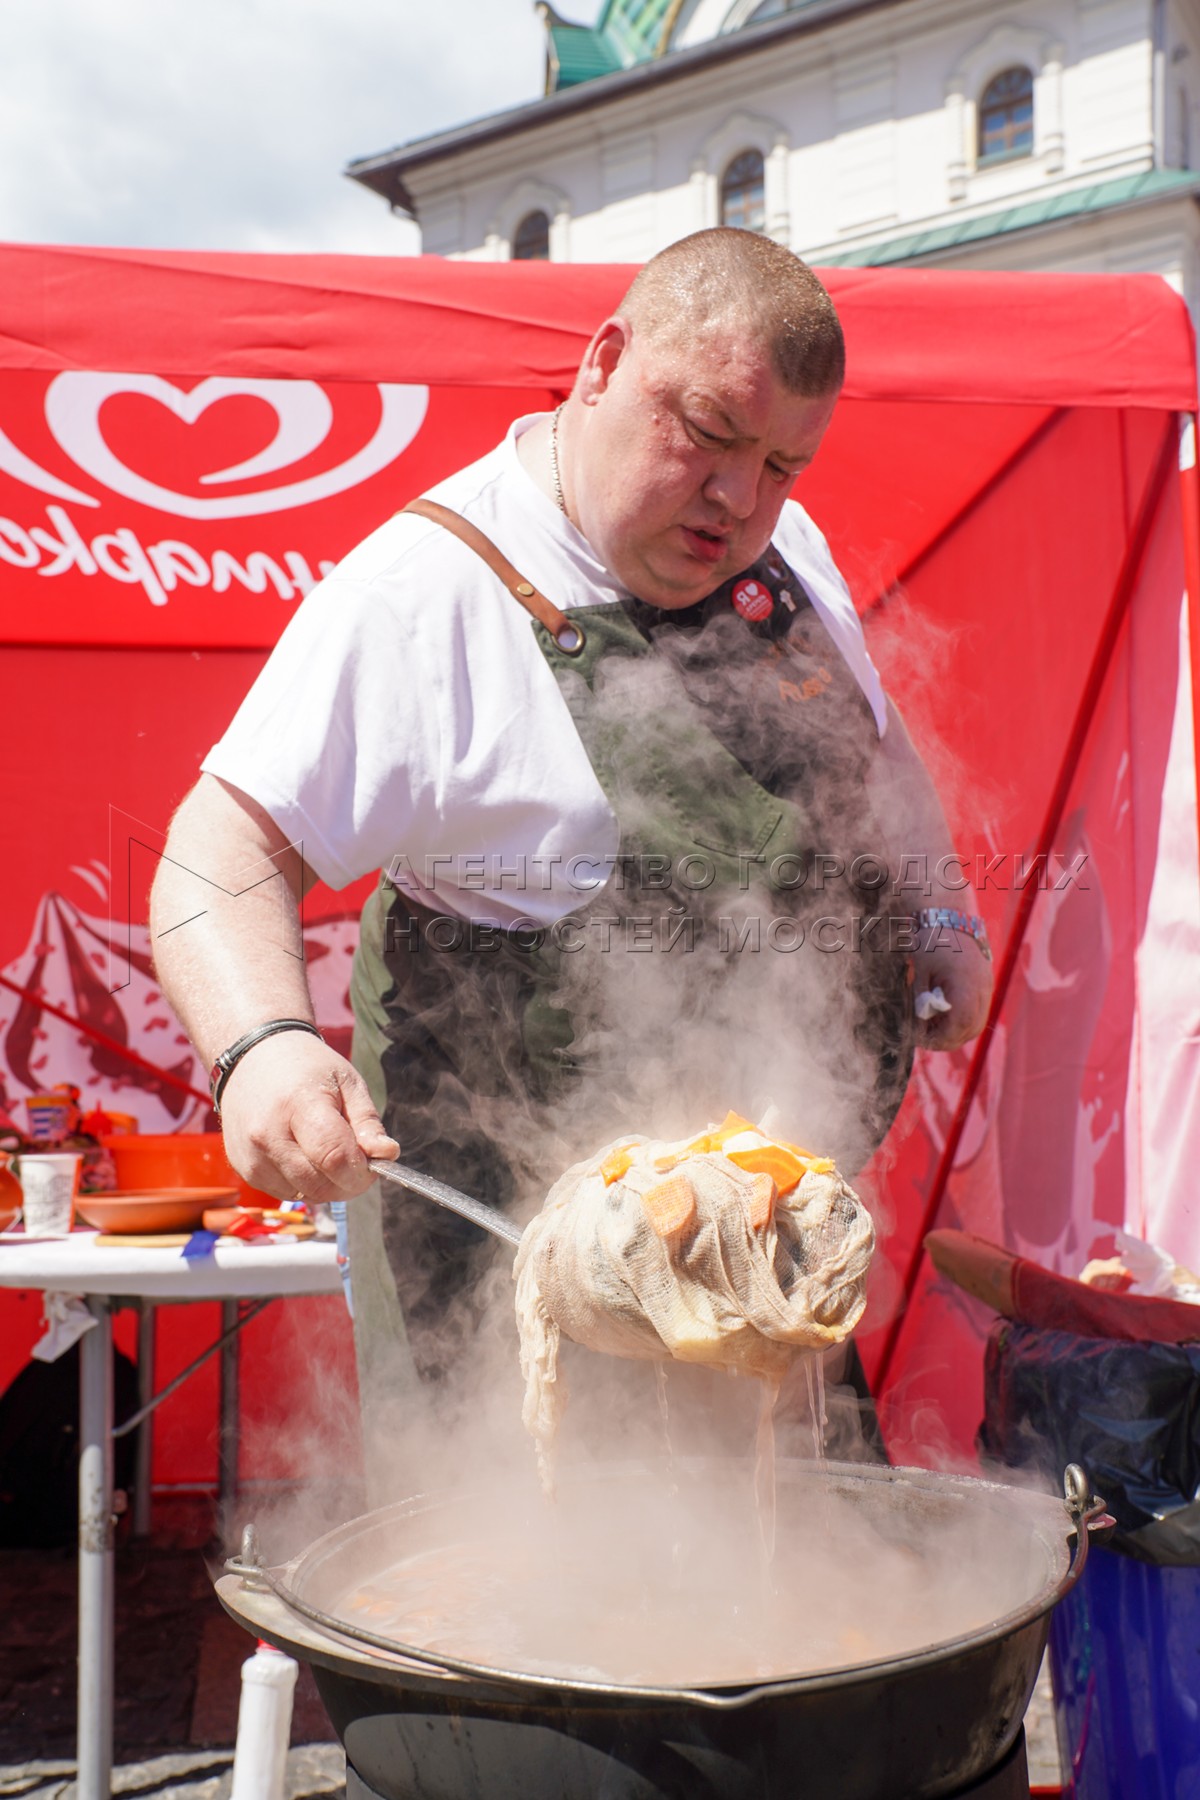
1005, 113
744, 191
531, 239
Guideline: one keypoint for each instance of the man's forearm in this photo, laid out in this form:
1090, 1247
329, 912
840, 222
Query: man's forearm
920, 849
907, 804
224, 921
225, 929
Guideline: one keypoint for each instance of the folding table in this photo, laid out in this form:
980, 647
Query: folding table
103, 1276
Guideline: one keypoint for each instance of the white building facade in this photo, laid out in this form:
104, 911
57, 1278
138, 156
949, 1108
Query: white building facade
1057, 134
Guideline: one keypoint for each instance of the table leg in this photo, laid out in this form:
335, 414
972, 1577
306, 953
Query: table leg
94, 1714
229, 1425
145, 1431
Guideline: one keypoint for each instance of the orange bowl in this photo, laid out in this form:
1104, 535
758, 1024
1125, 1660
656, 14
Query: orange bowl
160, 1209
176, 1159
169, 1160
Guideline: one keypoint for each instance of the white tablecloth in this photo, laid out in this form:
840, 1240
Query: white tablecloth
78, 1265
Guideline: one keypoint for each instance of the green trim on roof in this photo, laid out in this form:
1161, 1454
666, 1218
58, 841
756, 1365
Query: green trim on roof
1152, 184
634, 26
580, 53
627, 32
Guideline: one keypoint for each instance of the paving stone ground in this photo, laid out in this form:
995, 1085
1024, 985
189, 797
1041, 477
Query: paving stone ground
178, 1683
314, 1772
178, 1667
1041, 1741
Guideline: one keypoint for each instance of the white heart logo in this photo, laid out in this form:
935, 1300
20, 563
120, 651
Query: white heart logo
303, 412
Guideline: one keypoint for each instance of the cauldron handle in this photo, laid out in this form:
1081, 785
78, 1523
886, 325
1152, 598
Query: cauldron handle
1093, 1523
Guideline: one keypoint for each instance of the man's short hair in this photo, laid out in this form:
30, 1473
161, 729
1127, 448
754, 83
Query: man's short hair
751, 281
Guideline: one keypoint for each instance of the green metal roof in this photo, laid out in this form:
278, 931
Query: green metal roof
627, 32
635, 25
578, 53
1153, 184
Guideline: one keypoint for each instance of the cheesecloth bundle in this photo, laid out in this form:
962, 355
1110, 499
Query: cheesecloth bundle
721, 1269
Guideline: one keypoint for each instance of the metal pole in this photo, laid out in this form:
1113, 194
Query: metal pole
145, 1436
227, 1432
153, 1404
94, 1713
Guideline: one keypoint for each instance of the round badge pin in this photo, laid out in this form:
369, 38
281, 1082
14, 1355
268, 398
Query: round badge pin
751, 600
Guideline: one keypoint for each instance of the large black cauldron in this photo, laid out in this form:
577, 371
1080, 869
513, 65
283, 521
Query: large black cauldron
933, 1722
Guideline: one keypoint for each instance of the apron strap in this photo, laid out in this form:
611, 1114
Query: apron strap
566, 633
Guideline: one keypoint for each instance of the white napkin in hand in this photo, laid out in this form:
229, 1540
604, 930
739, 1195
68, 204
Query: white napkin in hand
930, 1002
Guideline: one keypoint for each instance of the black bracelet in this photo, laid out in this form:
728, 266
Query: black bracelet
228, 1060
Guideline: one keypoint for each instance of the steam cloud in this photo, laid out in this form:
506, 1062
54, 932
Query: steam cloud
658, 1038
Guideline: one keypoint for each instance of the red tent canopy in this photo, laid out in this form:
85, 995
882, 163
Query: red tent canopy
913, 335
187, 440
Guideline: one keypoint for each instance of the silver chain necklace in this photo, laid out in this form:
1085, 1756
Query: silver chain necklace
558, 493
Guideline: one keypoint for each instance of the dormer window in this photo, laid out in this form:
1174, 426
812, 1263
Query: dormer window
1006, 116
531, 239
743, 192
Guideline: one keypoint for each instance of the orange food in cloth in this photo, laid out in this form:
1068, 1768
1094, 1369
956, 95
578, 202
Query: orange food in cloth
671, 1205
616, 1164
785, 1169
728, 1248
760, 1203
715, 1139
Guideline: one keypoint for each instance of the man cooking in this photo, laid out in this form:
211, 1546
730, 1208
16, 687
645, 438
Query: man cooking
617, 744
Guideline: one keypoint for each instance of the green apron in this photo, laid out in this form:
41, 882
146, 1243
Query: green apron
731, 741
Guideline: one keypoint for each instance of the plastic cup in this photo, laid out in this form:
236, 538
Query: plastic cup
50, 1183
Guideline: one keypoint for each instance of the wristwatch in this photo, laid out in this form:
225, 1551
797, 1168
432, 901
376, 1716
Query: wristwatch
935, 917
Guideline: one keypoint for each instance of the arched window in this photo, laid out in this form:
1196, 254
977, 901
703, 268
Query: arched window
1006, 116
531, 239
743, 199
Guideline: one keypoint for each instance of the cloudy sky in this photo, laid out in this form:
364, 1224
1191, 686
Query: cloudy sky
225, 124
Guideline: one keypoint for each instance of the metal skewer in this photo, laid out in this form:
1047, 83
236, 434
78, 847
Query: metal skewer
486, 1217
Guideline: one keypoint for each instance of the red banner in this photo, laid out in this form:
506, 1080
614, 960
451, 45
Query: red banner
137, 509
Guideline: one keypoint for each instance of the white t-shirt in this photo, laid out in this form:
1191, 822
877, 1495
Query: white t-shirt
408, 711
